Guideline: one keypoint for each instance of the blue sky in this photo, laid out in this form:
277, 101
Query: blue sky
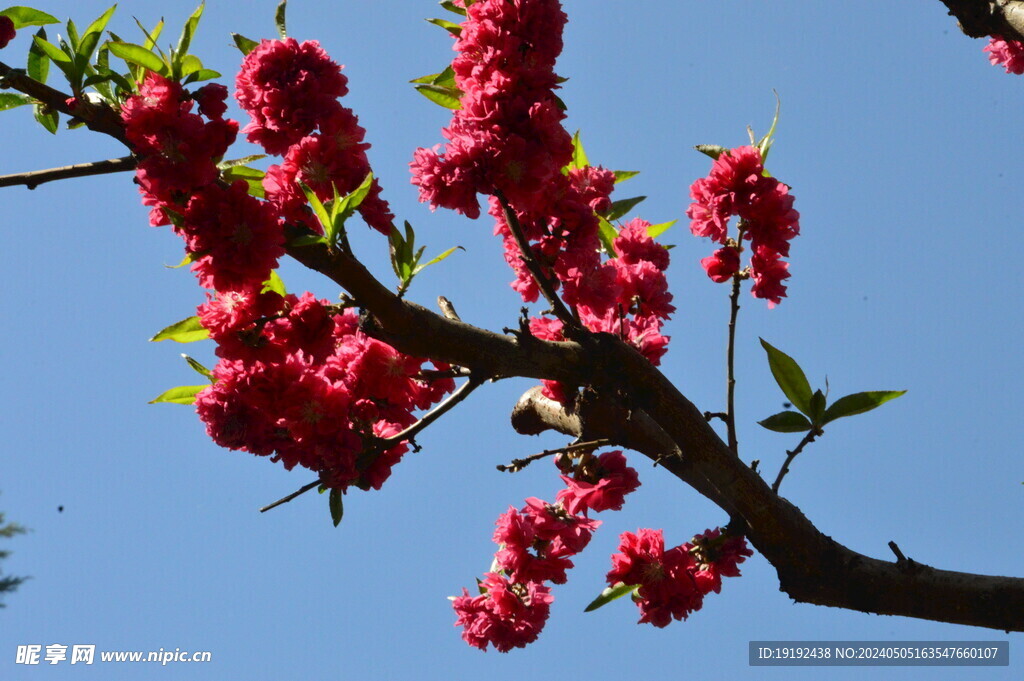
901, 144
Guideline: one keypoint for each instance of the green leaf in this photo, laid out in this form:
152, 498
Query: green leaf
73, 38
279, 19
26, 16
765, 145
274, 284
306, 240
452, 7
188, 31
197, 367
354, 199
787, 422
51, 50
610, 594
190, 64
244, 45
137, 54
201, 74
252, 176
449, 26
187, 260
48, 119
151, 36
817, 408
607, 233
12, 100
184, 394
447, 97
654, 231
242, 162
318, 207
334, 500
790, 377
446, 79
92, 35
712, 150
436, 259
38, 67
579, 155
622, 207
858, 403
186, 331
623, 175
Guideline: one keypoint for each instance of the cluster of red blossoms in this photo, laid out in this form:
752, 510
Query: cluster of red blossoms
1008, 53
536, 544
507, 141
296, 380
737, 185
672, 584
291, 90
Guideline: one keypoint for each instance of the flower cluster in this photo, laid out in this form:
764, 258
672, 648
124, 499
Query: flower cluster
672, 583
291, 90
737, 185
298, 381
1007, 53
536, 544
6, 31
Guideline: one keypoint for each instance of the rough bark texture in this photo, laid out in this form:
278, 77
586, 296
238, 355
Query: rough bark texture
982, 18
629, 401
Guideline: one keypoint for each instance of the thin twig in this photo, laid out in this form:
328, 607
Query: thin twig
734, 308
434, 414
528, 258
34, 178
517, 465
809, 438
900, 558
285, 500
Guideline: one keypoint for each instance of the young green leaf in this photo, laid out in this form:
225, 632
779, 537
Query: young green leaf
765, 144
92, 35
786, 422
274, 284
137, 54
200, 75
151, 36
622, 207
790, 377
279, 19
858, 403
26, 16
11, 100
610, 594
197, 367
446, 79
50, 120
351, 201
452, 7
436, 259
712, 150
186, 331
445, 96
188, 31
579, 155
336, 503
607, 233
817, 408
318, 207
654, 231
185, 394
38, 66
242, 162
449, 26
244, 45
51, 50
623, 175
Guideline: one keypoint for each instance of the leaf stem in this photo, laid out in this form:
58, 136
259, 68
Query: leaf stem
34, 178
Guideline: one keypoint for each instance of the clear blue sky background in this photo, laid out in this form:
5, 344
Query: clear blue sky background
903, 148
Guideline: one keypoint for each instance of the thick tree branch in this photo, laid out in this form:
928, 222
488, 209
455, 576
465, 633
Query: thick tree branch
34, 178
981, 18
811, 567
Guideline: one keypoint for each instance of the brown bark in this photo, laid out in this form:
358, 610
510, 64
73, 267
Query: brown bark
982, 18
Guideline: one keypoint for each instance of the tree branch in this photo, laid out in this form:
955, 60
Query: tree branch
982, 18
812, 567
34, 178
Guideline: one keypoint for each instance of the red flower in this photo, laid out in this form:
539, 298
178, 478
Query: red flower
6, 31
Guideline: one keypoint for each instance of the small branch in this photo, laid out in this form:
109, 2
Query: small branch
448, 309
709, 415
34, 178
527, 255
900, 558
439, 374
284, 500
519, 464
730, 407
434, 414
808, 439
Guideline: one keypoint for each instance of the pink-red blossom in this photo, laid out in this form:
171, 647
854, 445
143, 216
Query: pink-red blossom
1006, 53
